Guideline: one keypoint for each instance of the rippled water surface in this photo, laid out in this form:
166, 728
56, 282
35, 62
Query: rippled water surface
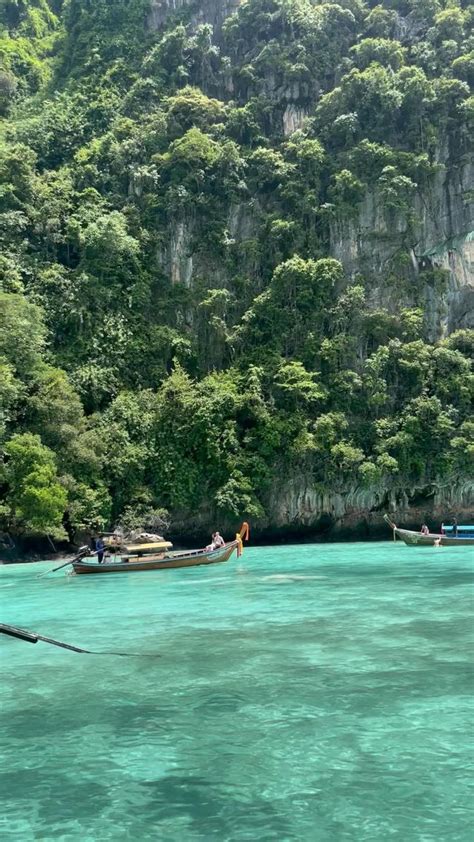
301, 693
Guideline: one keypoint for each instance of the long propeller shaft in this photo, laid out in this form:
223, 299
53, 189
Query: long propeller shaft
33, 637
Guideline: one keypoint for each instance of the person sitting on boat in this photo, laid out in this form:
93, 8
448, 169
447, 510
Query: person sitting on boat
424, 530
218, 540
100, 549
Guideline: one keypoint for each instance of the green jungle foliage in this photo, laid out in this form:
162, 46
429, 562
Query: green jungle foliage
174, 333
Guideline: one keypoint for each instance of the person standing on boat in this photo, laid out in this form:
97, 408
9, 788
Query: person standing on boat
100, 549
455, 527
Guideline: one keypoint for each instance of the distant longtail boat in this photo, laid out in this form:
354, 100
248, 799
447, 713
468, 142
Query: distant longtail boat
450, 536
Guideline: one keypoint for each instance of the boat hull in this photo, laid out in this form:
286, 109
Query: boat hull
168, 561
418, 539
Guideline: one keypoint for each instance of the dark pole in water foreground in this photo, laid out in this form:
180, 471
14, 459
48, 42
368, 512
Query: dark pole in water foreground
32, 637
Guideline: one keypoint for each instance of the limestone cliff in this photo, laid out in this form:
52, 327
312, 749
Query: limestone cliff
438, 235
206, 11
297, 509
175, 333
430, 244
356, 510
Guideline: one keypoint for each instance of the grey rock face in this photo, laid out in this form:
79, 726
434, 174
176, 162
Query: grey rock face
440, 236
293, 118
300, 504
207, 11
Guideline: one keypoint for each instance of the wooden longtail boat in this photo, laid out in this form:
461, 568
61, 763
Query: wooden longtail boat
165, 560
464, 537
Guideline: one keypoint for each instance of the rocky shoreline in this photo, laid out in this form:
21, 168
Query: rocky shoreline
322, 528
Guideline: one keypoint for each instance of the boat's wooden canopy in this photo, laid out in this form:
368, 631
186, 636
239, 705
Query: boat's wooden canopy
148, 548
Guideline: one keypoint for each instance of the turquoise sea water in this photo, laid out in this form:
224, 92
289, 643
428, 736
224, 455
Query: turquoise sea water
301, 693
